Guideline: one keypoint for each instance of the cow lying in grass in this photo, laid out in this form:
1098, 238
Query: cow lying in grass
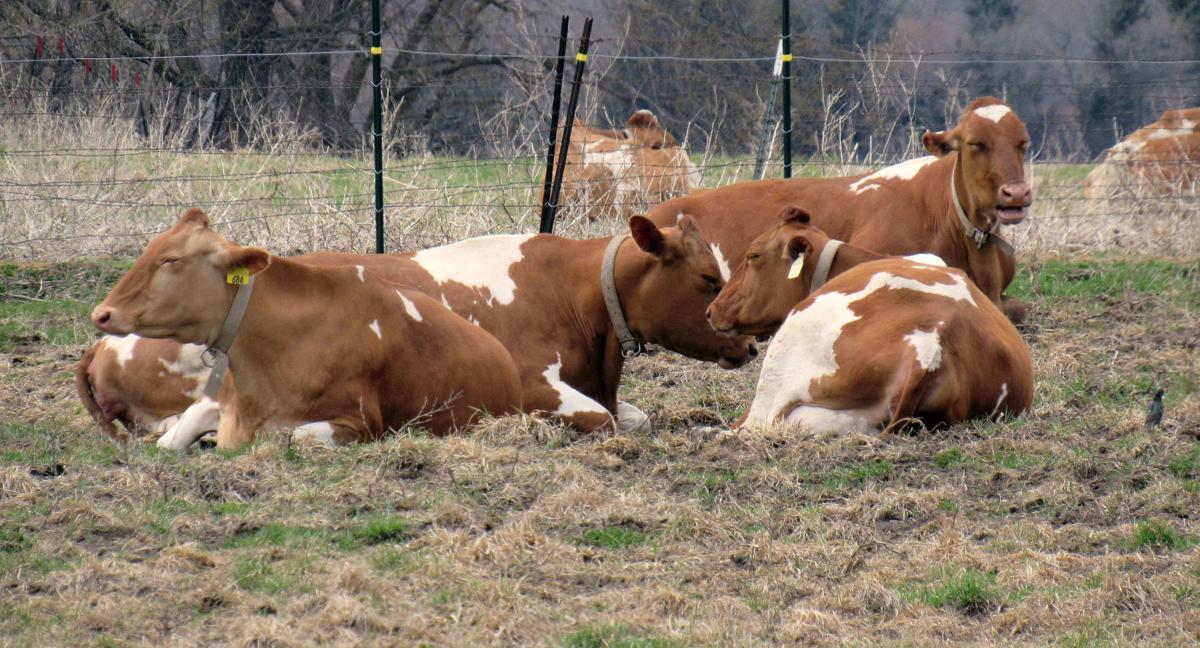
334, 354
886, 340
144, 384
541, 296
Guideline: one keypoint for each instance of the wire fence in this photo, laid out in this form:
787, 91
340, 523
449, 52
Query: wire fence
98, 151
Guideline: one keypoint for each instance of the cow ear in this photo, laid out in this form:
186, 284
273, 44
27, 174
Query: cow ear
798, 245
643, 119
647, 235
793, 214
687, 224
253, 259
194, 215
940, 143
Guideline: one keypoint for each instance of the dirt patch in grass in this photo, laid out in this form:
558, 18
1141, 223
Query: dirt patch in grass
1072, 526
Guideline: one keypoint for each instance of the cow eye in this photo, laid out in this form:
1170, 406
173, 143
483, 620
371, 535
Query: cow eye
977, 146
712, 283
168, 260
752, 256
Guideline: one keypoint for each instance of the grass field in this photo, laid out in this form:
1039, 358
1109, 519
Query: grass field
1073, 526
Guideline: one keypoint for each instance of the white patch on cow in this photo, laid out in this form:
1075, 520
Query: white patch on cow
927, 346
571, 400
122, 346
320, 431
619, 162
202, 417
160, 428
630, 419
822, 421
927, 259
189, 365
693, 174
410, 307
374, 326
722, 264
995, 112
678, 218
360, 269
1185, 128
1000, 399
906, 170
479, 263
803, 349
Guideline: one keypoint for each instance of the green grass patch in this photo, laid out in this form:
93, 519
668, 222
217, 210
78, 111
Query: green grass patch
611, 635
969, 591
381, 529
255, 574
1059, 279
614, 537
950, 457
856, 475
1153, 535
1186, 465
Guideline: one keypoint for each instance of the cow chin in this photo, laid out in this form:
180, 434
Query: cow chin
1010, 215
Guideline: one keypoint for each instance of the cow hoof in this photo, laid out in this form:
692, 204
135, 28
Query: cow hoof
630, 419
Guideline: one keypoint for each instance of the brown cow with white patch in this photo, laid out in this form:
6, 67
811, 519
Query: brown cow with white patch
950, 204
883, 341
1159, 159
619, 172
541, 296
334, 354
142, 383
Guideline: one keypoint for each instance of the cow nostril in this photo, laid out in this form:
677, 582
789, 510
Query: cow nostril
708, 313
753, 351
102, 317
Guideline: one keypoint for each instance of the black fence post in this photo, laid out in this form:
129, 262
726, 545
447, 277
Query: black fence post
768, 118
580, 59
547, 222
377, 126
786, 35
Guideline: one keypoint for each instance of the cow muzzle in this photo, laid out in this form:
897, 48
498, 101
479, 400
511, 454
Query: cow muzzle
107, 320
1011, 201
744, 351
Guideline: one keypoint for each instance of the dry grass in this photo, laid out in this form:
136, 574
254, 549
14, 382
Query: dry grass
1072, 526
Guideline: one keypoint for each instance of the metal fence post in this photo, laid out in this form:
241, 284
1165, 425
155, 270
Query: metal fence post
768, 118
377, 126
580, 59
547, 223
786, 35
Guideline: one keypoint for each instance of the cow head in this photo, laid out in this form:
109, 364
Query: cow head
760, 294
665, 288
645, 129
178, 288
991, 142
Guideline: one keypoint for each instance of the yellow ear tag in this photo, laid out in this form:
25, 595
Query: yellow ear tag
237, 276
797, 266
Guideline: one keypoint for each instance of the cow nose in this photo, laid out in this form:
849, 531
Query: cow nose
1016, 194
753, 350
101, 316
708, 314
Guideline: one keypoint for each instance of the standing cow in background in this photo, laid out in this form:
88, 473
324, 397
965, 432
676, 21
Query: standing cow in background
616, 173
951, 203
1159, 159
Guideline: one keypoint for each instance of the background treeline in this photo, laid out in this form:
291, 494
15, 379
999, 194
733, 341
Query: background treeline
470, 76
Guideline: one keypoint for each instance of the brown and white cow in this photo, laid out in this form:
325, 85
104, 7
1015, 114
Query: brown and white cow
1159, 159
883, 341
336, 354
541, 296
142, 383
976, 167
616, 173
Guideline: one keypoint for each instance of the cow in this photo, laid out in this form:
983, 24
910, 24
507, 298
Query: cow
615, 173
334, 354
950, 203
142, 383
883, 341
541, 295
1159, 159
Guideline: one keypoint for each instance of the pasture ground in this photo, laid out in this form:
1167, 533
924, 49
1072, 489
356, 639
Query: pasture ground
1073, 526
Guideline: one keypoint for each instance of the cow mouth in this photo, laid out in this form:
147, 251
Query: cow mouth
1010, 215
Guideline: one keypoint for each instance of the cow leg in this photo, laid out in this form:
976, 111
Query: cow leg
332, 433
630, 419
908, 399
569, 405
202, 417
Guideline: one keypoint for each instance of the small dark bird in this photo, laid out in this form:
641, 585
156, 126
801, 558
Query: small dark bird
1154, 413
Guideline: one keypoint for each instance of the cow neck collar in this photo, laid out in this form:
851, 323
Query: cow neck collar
630, 345
981, 237
216, 355
824, 264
